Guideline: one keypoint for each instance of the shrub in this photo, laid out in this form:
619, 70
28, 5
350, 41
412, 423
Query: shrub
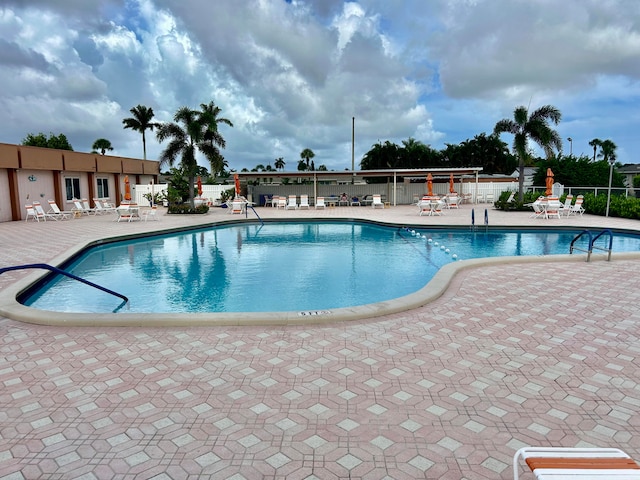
185, 208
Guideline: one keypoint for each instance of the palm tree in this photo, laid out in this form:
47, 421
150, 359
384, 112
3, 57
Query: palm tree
279, 163
102, 145
140, 122
307, 154
212, 139
185, 137
595, 143
534, 127
607, 151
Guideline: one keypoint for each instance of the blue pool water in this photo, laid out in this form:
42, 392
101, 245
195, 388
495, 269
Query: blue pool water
280, 266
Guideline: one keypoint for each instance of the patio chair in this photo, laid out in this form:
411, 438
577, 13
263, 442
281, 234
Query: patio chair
31, 213
102, 207
40, 213
282, 203
87, 208
566, 207
557, 463
553, 208
150, 214
78, 207
304, 202
355, 201
292, 204
237, 207
577, 207
377, 202
320, 203
55, 211
452, 202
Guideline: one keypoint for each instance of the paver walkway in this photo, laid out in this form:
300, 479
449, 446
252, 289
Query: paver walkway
529, 354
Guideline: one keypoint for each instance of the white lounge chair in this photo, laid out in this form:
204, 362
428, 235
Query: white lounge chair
237, 207
78, 207
552, 208
377, 201
452, 201
320, 203
150, 214
102, 207
55, 211
577, 208
40, 213
282, 203
557, 463
87, 208
292, 204
566, 207
304, 202
31, 213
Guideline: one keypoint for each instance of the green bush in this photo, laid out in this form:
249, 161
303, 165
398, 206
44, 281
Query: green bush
185, 208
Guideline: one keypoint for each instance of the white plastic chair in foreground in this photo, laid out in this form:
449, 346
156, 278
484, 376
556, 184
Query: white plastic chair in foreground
377, 201
557, 463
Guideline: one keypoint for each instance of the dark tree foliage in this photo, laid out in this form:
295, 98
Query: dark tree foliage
580, 171
59, 142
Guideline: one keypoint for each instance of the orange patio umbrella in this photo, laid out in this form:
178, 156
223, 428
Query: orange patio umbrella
236, 179
452, 188
549, 183
199, 183
430, 185
127, 188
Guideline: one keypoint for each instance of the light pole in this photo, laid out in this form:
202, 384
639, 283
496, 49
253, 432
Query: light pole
570, 146
611, 163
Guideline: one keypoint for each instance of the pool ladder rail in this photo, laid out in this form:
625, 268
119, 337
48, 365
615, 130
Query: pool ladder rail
592, 245
59, 271
473, 220
246, 213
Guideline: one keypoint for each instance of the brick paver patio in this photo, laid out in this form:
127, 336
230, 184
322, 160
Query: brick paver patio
526, 354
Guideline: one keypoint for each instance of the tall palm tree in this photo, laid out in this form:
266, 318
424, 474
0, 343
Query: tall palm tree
307, 154
185, 135
595, 143
140, 122
279, 163
607, 151
213, 140
534, 127
102, 145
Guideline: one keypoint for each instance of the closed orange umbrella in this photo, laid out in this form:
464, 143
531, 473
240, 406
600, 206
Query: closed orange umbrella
199, 182
549, 183
452, 188
430, 185
236, 179
127, 188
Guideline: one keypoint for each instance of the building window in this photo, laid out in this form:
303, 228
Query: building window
72, 188
103, 187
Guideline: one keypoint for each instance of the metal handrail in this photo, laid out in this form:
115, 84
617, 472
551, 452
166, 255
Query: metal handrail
592, 240
246, 214
66, 274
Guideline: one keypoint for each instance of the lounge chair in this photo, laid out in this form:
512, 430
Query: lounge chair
577, 208
282, 203
304, 202
566, 207
31, 213
377, 202
424, 206
292, 204
355, 201
552, 208
150, 214
320, 203
557, 463
78, 207
55, 211
489, 198
102, 207
87, 208
452, 201
40, 213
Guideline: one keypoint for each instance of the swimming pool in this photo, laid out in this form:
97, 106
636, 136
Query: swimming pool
309, 267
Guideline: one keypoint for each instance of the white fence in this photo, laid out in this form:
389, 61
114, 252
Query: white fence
210, 192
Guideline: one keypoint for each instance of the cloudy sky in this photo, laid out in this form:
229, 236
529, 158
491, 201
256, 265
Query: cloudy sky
291, 74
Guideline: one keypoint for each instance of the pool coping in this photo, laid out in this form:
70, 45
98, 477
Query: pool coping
436, 287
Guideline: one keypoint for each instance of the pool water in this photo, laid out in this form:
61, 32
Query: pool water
280, 266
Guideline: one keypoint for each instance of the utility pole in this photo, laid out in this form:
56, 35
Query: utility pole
353, 148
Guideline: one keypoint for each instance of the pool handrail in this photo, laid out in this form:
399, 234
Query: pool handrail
59, 271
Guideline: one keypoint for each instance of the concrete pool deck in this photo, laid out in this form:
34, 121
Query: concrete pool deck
510, 355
